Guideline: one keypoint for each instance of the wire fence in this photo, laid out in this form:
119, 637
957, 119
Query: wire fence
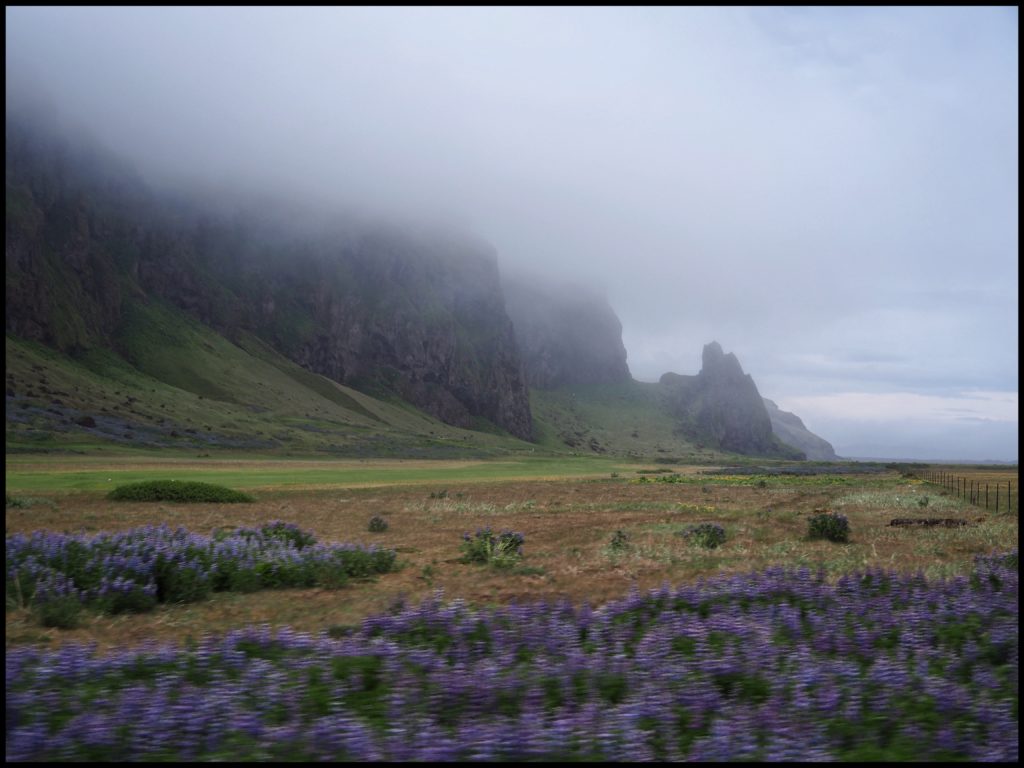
995, 495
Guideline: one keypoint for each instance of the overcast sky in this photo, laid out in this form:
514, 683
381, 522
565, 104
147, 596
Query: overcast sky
830, 193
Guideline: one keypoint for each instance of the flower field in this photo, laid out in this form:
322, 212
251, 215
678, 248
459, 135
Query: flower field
134, 570
775, 665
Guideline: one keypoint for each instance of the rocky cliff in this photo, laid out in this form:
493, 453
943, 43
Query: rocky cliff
790, 429
417, 314
721, 407
568, 334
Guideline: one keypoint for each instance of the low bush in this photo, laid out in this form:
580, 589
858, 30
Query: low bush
60, 613
829, 525
178, 491
707, 535
619, 542
378, 524
501, 549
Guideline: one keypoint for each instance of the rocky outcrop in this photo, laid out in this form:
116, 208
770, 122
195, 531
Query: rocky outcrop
790, 429
568, 334
721, 407
420, 315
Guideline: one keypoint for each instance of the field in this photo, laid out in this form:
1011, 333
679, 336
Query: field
596, 532
981, 480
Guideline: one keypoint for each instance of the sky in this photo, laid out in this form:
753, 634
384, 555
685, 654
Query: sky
829, 193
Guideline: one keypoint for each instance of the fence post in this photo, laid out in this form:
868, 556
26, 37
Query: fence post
997, 497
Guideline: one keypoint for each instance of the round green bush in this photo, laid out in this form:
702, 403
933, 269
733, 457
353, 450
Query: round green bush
829, 525
178, 491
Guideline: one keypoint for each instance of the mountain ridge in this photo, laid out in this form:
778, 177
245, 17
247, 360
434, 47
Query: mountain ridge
167, 294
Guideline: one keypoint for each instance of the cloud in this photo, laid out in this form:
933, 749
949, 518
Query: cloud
906, 406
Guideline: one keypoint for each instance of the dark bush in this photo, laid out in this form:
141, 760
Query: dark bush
707, 535
61, 612
619, 542
177, 491
829, 525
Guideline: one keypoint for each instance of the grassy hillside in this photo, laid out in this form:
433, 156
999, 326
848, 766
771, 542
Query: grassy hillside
628, 419
179, 385
176, 385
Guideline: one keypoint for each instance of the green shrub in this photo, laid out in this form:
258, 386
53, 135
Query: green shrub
829, 525
288, 532
174, 490
619, 542
24, 502
502, 549
136, 600
177, 583
707, 535
378, 524
60, 612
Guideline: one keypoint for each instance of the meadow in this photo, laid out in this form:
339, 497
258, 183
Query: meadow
611, 633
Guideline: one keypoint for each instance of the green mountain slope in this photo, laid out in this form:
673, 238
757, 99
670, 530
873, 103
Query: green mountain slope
179, 385
631, 418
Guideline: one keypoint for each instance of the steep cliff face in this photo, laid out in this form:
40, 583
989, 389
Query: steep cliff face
569, 335
422, 316
417, 314
790, 429
66, 226
722, 407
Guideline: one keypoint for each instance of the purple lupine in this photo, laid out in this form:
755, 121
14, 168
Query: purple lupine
132, 570
773, 666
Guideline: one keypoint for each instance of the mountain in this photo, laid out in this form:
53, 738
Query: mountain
584, 397
152, 320
568, 334
411, 314
790, 429
721, 406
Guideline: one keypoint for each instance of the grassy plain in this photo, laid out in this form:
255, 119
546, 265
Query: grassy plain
568, 510
94, 473
978, 477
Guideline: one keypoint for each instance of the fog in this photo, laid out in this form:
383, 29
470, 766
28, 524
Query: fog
830, 193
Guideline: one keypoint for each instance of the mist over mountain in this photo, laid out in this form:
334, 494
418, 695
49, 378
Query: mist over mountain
790, 429
568, 333
419, 315
722, 406
408, 312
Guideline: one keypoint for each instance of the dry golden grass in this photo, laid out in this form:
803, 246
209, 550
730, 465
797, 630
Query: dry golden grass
977, 478
567, 525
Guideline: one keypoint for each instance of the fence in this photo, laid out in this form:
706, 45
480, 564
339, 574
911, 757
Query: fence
999, 495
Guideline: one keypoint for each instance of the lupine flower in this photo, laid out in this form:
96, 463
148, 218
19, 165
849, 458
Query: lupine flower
773, 666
